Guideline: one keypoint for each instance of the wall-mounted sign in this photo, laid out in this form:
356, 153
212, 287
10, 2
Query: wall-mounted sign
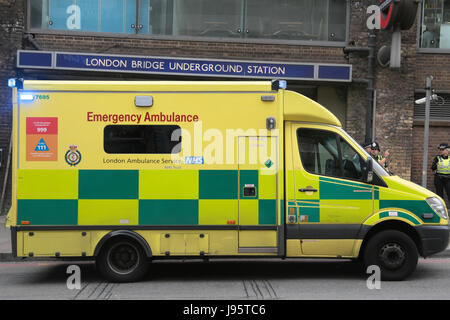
183, 66
399, 12
386, 7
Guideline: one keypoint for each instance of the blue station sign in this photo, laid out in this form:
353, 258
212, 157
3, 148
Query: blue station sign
183, 66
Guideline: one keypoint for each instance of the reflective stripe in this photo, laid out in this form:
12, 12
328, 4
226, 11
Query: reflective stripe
379, 158
443, 165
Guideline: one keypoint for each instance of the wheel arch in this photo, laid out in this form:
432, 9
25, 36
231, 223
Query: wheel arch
123, 234
392, 224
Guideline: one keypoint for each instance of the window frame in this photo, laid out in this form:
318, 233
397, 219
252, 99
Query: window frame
419, 37
191, 38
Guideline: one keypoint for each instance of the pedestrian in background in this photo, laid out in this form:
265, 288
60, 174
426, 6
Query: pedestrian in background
441, 167
368, 147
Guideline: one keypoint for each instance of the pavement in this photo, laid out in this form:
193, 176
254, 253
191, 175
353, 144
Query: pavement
6, 255
5, 241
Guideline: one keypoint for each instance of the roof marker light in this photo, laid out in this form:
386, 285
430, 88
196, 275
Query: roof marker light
11, 83
279, 84
26, 97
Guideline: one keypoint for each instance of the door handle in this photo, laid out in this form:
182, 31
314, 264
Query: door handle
307, 190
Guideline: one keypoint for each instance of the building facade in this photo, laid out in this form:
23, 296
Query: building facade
298, 40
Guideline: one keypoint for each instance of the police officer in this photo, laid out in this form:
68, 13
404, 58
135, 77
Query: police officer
376, 153
441, 166
368, 147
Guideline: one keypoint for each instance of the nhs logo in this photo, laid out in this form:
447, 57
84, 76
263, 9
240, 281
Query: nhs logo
194, 160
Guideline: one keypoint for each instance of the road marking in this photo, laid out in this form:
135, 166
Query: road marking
28, 264
96, 291
438, 260
259, 289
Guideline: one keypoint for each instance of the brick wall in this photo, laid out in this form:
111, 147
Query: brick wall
198, 49
395, 108
436, 65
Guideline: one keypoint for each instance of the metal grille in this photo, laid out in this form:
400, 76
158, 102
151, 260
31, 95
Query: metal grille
439, 110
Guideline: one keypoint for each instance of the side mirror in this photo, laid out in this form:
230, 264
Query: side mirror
368, 171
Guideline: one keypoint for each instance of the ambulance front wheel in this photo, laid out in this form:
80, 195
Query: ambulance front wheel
394, 252
122, 260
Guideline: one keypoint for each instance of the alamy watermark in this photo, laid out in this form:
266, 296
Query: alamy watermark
74, 279
257, 147
374, 20
374, 280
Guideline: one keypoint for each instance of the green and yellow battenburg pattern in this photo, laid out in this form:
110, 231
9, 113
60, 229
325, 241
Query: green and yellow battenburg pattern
359, 203
145, 197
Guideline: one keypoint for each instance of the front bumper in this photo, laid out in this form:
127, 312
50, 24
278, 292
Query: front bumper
434, 239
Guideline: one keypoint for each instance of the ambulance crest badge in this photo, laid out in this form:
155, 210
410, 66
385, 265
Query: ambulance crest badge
73, 156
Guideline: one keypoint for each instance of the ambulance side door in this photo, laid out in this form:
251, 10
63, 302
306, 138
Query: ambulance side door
331, 200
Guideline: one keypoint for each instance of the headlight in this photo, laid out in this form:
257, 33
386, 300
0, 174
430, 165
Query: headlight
438, 206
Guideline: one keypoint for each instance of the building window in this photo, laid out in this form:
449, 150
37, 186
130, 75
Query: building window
322, 20
142, 139
112, 16
309, 20
435, 26
439, 110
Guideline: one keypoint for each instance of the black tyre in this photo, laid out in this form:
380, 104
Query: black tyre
394, 252
122, 260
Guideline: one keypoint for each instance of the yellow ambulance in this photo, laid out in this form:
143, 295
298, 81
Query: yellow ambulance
125, 172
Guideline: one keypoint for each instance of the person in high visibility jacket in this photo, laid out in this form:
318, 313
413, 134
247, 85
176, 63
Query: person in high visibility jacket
376, 154
441, 167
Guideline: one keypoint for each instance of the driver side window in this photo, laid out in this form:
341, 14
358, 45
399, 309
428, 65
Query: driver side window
328, 154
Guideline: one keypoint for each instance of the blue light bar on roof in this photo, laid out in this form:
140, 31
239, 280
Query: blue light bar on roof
26, 97
11, 83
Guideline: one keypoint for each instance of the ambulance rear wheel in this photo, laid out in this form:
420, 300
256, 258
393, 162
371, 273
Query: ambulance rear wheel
122, 260
394, 252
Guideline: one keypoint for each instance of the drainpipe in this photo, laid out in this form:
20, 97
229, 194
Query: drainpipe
369, 81
30, 39
371, 78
